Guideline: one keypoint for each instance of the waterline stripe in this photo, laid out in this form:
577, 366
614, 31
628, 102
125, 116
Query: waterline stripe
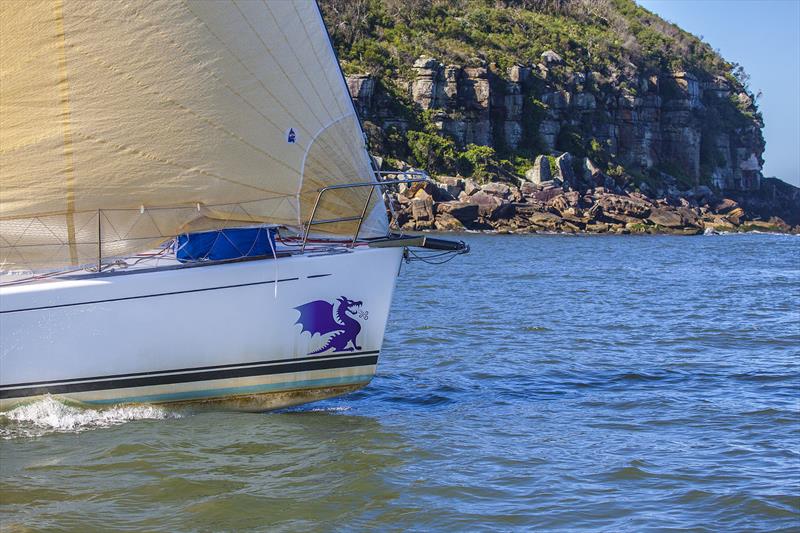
333, 355
236, 391
187, 377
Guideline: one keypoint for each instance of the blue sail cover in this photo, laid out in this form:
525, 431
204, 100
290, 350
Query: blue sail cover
230, 243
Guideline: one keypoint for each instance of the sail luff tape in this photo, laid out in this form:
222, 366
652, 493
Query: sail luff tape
66, 125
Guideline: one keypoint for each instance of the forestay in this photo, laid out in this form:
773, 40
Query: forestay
130, 122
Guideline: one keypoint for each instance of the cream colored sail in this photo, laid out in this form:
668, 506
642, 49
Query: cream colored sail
128, 122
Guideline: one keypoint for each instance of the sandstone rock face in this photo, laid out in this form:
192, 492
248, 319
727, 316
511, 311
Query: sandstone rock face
362, 88
648, 121
448, 88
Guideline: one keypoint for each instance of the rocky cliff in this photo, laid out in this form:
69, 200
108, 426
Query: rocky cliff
663, 125
626, 101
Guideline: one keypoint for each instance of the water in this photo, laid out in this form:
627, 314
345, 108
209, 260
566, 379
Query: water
542, 382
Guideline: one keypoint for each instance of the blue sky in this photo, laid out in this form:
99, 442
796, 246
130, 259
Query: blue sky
764, 37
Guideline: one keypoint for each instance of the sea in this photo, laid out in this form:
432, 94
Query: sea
542, 382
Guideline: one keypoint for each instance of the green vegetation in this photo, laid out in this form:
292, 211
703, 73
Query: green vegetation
611, 44
382, 36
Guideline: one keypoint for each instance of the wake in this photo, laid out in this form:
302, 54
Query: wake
49, 415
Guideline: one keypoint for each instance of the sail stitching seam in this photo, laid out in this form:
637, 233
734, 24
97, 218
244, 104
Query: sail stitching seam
253, 75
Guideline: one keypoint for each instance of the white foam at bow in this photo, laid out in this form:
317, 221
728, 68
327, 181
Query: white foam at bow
50, 414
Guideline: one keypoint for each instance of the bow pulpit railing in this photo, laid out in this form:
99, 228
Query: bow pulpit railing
420, 176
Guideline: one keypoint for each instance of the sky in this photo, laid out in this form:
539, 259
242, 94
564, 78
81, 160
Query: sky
764, 37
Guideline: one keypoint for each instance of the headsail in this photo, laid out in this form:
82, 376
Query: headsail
129, 122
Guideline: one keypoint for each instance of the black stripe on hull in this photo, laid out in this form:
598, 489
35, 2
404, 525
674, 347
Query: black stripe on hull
168, 377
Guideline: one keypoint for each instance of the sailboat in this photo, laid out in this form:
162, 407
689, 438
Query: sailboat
188, 211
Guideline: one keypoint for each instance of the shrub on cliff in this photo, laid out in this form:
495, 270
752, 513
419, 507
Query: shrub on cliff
431, 151
475, 160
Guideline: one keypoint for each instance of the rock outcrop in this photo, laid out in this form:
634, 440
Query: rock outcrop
606, 100
645, 122
455, 204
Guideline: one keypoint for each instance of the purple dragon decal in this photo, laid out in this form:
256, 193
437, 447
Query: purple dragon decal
319, 317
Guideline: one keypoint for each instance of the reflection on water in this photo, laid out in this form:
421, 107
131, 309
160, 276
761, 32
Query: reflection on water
618, 383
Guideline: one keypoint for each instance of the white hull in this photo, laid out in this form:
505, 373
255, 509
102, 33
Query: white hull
206, 334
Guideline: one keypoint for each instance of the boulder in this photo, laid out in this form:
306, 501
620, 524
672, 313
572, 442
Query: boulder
725, 205
613, 205
464, 212
452, 185
718, 223
413, 188
471, 187
590, 170
637, 227
487, 203
526, 210
500, 190
545, 220
447, 222
527, 188
422, 209
443, 195
779, 223
689, 217
565, 170
545, 195
566, 203
504, 212
549, 57
735, 215
540, 171
703, 195
597, 227
665, 217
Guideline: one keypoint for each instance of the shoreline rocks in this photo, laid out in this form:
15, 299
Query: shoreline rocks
552, 206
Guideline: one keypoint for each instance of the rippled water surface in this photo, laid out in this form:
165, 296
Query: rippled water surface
541, 382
